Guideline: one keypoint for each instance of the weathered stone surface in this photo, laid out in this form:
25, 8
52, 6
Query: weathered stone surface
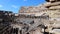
30, 14
52, 4
55, 7
52, 0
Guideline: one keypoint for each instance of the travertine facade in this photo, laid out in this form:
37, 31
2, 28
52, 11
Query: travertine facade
52, 9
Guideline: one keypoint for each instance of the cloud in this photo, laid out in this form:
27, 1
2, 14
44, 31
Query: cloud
1, 5
14, 6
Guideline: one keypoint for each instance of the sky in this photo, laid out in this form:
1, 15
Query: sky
14, 5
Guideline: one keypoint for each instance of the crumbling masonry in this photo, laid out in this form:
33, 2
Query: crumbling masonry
42, 19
